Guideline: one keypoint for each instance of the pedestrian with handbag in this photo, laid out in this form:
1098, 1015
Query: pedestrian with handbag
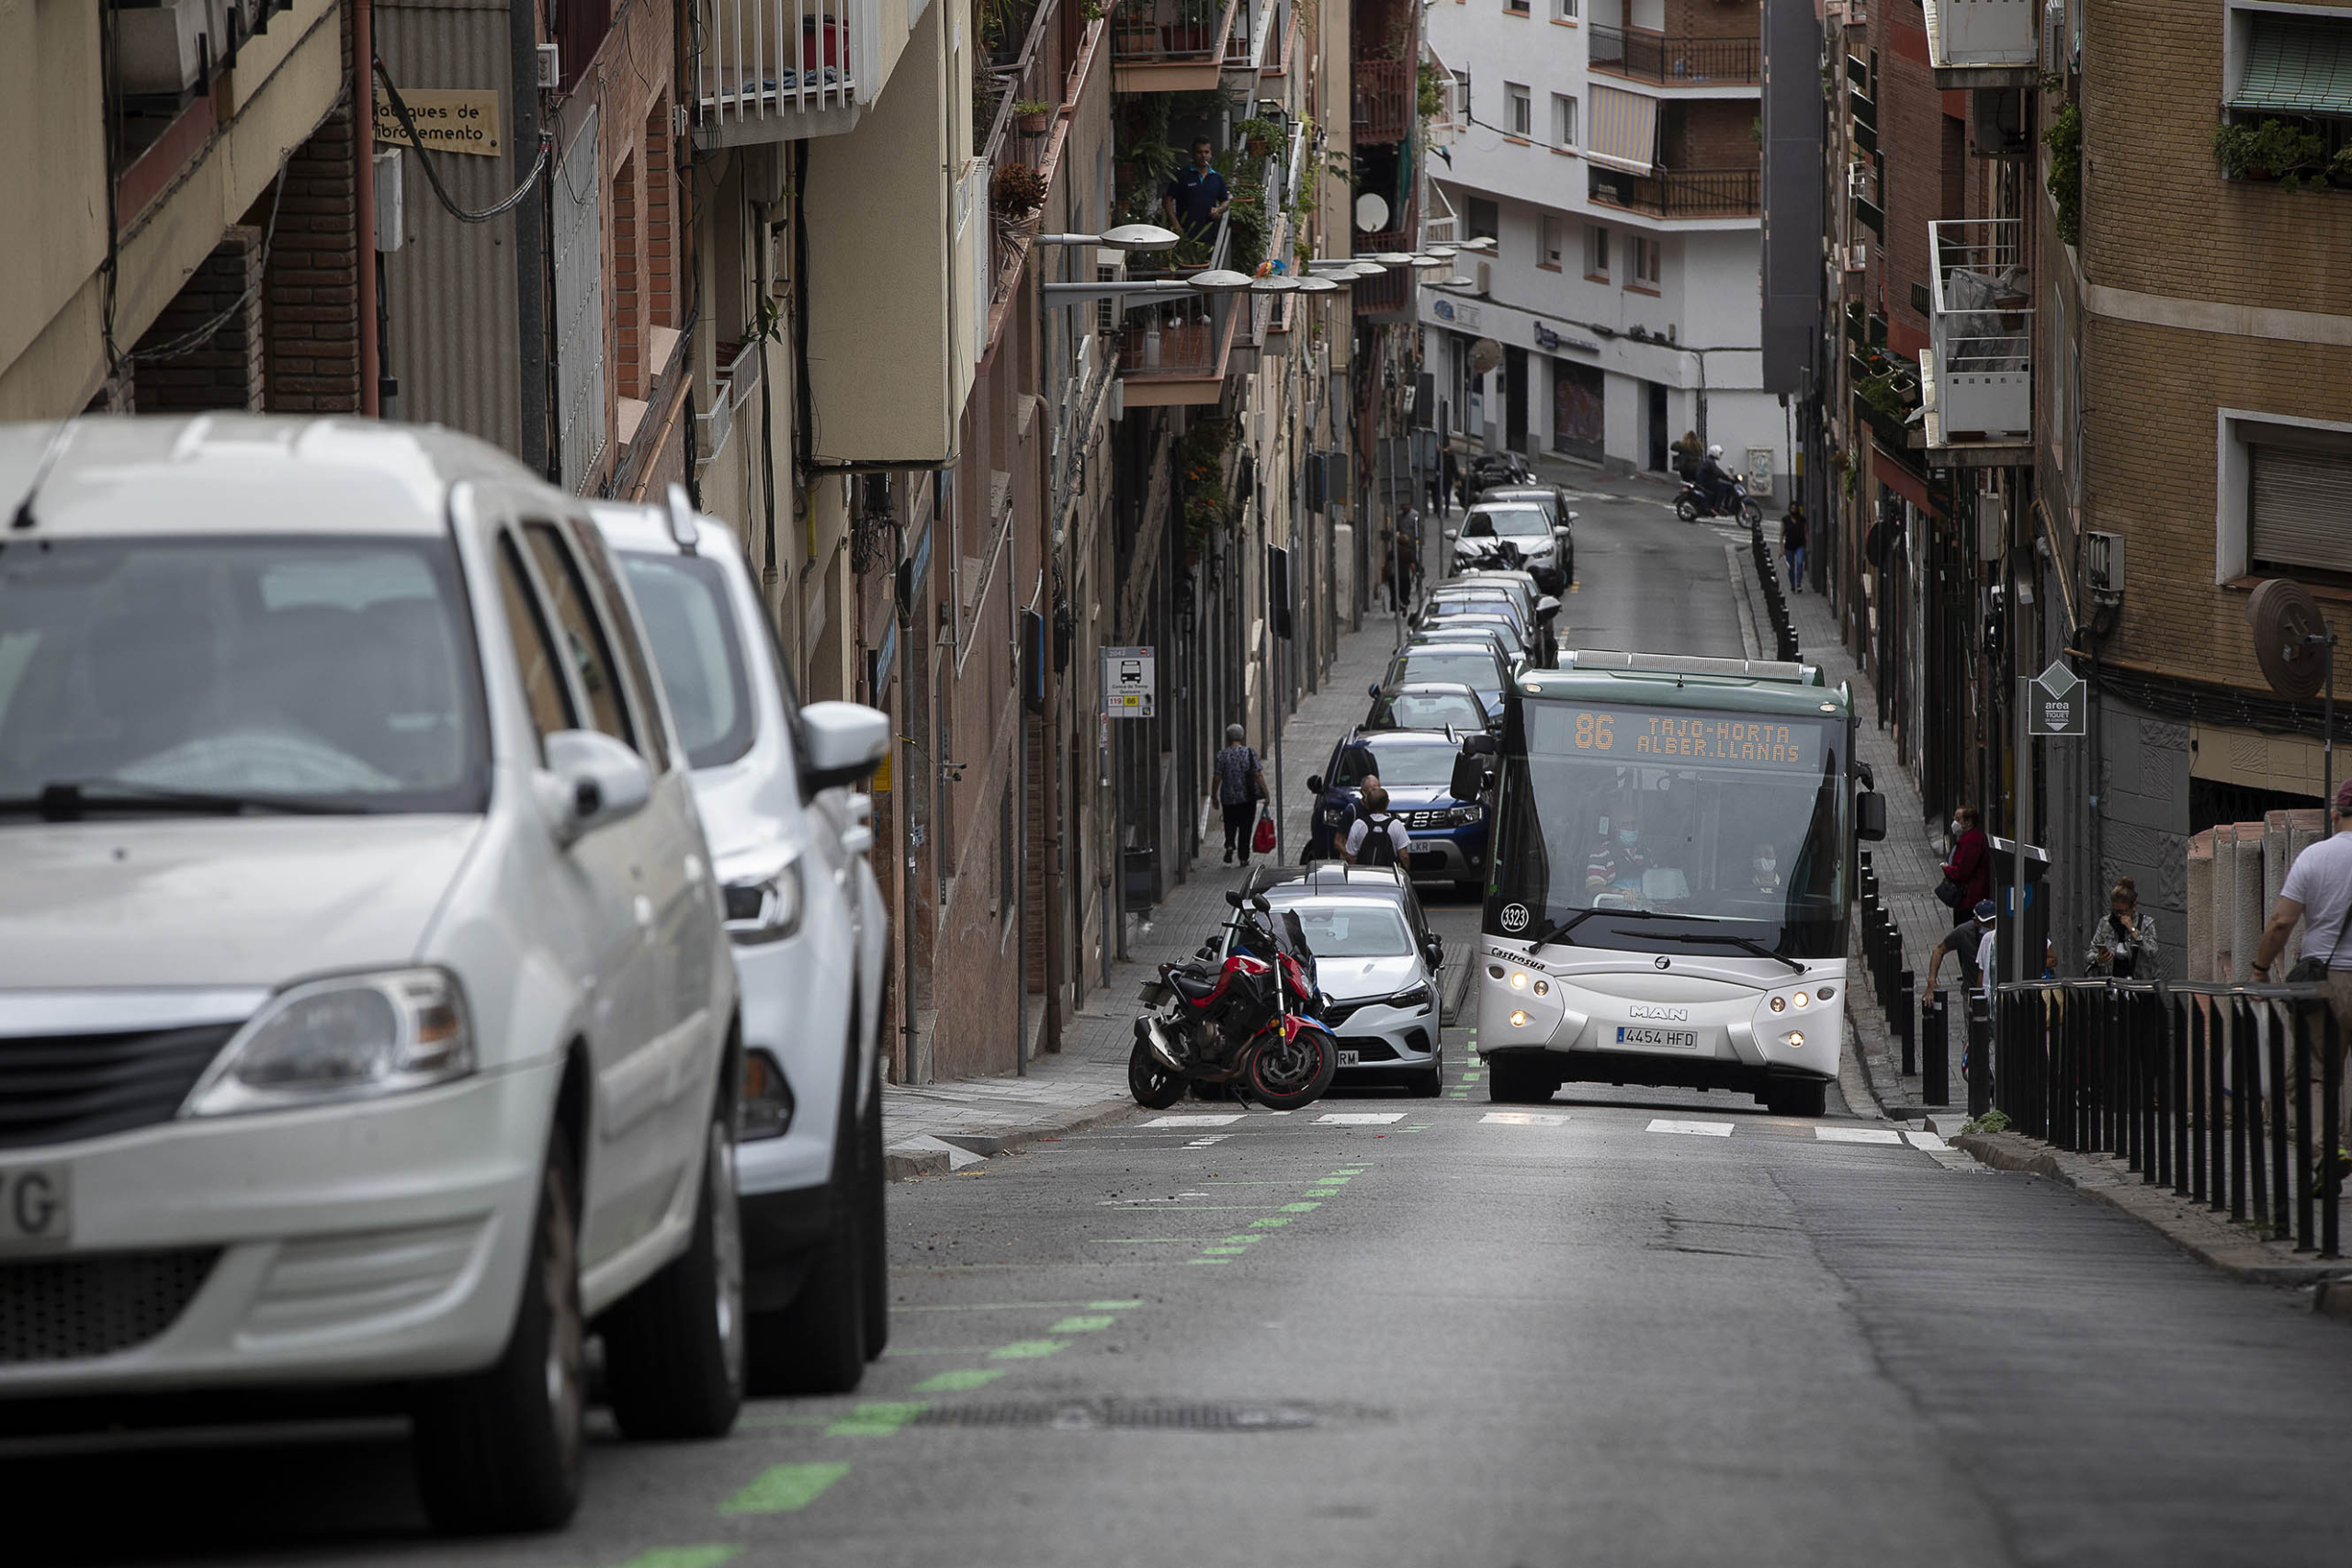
2318, 891
2123, 944
1968, 875
1241, 784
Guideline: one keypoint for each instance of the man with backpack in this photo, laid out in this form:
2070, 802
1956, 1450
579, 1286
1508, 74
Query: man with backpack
1378, 837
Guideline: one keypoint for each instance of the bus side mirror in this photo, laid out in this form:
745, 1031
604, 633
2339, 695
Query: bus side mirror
1869, 815
1469, 778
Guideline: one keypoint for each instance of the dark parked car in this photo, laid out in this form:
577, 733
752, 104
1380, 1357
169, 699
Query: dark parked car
1415, 767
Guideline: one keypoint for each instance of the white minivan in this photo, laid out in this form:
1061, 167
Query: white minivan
790, 837
365, 1017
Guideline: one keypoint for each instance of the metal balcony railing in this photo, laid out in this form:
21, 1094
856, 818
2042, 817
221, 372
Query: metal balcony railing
765, 70
1980, 34
1180, 339
1673, 61
1384, 100
1680, 193
1171, 32
1393, 290
1981, 326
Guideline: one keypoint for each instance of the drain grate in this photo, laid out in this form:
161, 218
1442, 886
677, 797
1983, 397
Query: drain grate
1088, 1415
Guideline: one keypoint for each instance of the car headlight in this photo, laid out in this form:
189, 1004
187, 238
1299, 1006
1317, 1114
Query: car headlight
1417, 996
764, 906
1466, 815
351, 1037
764, 1109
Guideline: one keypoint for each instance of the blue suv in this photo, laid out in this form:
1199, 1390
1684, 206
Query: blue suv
1415, 767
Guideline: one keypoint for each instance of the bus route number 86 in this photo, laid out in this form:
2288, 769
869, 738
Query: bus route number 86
1593, 732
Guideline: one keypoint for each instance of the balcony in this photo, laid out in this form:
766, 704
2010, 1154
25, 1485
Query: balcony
1982, 43
1977, 378
1171, 46
1667, 60
1680, 193
781, 70
1390, 294
1384, 100
1177, 352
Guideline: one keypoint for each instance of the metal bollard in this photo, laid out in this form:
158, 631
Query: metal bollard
1935, 1052
1979, 1058
1904, 1016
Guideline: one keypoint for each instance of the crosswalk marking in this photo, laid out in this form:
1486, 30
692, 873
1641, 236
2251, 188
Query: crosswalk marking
1205, 1143
1693, 1129
1190, 1121
1360, 1118
1857, 1136
1525, 1119
1931, 1141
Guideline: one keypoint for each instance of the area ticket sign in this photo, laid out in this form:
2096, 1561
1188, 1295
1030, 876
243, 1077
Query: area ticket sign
1129, 683
2057, 703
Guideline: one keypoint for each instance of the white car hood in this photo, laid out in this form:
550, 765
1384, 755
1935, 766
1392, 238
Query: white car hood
1354, 979
249, 901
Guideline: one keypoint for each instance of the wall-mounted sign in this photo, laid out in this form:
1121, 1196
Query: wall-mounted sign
1129, 683
1550, 341
2057, 703
450, 119
1460, 315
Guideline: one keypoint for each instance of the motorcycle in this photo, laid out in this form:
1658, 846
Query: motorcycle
1692, 503
1488, 553
1251, 1020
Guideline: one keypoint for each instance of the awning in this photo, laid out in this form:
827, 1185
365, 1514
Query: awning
2301, 64
1624, 131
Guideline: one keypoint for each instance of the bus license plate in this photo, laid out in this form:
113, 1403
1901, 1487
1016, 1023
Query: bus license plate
1687, 1039
1347, 1058
35, 1207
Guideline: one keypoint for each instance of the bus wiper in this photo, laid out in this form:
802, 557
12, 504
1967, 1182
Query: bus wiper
71, 800
1560, 929
1748, 942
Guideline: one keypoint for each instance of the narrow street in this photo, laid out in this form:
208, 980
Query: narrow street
1632, 1326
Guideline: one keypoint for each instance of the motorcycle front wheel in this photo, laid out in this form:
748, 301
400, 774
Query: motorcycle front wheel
1751, 514
1283, 1075
1154, 1086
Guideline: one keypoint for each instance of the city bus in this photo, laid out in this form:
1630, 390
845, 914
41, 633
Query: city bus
1671, 864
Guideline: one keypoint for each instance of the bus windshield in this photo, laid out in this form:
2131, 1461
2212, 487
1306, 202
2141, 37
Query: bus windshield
1660, 824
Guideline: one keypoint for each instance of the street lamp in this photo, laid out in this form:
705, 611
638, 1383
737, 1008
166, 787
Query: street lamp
1318, 286
1425, 263
1274, 283
1125, 237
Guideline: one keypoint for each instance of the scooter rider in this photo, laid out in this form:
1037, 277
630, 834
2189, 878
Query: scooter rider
1715, 481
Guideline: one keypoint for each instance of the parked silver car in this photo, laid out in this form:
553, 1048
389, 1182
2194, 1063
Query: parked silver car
1377, 961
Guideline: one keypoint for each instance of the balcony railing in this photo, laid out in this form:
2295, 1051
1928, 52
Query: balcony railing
1673, 62
1980, 325
1385, 91
1181, 340
1172, 32
1979, 35
779, 70
1680, 193
1393, 290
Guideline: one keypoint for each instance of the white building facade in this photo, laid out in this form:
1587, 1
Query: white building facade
1611, 149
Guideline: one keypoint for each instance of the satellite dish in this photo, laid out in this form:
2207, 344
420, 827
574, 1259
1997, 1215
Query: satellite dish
2289, 637
1485, 355
1372, 213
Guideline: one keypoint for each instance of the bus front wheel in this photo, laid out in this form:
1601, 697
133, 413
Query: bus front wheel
1519, 1080
1797, 1096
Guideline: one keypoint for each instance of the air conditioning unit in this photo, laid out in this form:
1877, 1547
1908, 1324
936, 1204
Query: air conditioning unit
2103, 564
1110, 267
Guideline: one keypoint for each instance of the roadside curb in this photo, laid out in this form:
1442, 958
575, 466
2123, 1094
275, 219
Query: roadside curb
933, 1154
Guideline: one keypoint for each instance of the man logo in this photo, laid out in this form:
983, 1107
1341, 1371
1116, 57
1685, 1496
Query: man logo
1671, 1015
1514, 917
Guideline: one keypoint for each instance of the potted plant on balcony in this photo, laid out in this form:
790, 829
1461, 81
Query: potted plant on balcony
2269, 149
1263, 137
1015, 193
1033, 115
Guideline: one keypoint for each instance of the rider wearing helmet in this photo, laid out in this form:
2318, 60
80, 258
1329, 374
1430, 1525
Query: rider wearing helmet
1714, 481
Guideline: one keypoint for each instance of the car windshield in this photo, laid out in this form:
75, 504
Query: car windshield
1474, 670
1494, 605
332, 674
1510, 522
683, 600
1428, 710
1496, 624
1363, 929
1397, 766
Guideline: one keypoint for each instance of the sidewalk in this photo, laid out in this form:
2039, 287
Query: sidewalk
931, 1128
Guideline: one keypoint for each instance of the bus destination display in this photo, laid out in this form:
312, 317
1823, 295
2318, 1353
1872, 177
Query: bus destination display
1644, 735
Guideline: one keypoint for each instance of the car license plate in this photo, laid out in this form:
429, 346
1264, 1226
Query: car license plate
1347, 1058
1687, 1039
35, 1207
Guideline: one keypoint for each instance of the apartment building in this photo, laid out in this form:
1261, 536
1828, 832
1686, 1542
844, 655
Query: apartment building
1611, 150
2085, 387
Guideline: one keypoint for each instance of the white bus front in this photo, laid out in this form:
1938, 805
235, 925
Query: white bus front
1668, 898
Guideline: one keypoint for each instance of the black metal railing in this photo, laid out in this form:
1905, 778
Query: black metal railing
1891, 982
2230, 1095
1680, 193
1670, 59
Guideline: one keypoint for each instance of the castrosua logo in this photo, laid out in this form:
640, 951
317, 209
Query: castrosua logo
1514, 917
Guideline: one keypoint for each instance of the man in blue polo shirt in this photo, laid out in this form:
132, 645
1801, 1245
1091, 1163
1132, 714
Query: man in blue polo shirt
1195, 198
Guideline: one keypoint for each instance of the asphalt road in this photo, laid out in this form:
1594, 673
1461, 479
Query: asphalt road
1629, 1327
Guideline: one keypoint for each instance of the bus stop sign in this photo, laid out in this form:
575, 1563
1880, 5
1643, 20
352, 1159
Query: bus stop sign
1129, 689
2057, 703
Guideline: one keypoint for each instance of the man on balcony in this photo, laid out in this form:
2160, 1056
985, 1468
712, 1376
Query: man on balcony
1195, 198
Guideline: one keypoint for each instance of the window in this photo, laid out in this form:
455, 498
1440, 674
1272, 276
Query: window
1647, 264
1515, 7
1563, 10
1563, 122
583, 636
1462, 93
683, 601
1547, 241
543, 685
1519, 108
1596, 252
2279, 488
1486, 218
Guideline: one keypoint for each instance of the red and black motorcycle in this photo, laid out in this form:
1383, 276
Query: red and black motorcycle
1251, 1020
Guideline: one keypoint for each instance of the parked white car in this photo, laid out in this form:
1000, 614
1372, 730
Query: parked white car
365, 1013
776, 784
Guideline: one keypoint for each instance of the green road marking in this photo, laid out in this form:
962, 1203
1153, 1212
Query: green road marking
784, 1488
1111, 1306
1416, 1127
1472, 1077
1087, 1325
1027, 1350
962, 1381
894, 1352
683, 1557
1329, 1181
1352, 1170
1221, 1251
1300, 1208
1267, 1224
1208, 1260
875, 1420
1240, 1240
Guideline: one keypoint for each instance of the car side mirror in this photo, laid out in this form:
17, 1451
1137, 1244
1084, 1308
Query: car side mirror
1869, 815
1372, 690
591, 780
1315, 784
842, 743
1547, 607
1434, 951
1454, 532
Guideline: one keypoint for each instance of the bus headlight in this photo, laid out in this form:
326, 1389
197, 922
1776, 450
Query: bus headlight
1800, 999
1519, 979
1519, 1021
1793, 1039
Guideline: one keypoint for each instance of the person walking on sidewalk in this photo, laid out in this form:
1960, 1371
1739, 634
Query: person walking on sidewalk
1241, 784
2318, 891
1971, 866
1972, 941
2123, 944
1793, 544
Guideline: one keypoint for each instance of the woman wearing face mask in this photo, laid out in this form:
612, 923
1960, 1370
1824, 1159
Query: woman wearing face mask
2123, 945
1971, 860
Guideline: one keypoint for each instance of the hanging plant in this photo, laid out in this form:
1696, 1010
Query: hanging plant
2065, 139
1016, 190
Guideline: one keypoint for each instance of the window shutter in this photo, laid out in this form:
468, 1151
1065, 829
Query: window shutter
2300, 510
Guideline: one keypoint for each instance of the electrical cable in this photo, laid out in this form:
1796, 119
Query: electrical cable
196, 338
499, 209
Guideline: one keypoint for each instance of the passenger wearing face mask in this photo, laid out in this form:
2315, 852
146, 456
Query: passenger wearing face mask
1764, 869
1616, 860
